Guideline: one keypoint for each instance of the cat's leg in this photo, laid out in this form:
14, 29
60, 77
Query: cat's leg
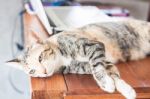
124, 88
103, 79
96, 54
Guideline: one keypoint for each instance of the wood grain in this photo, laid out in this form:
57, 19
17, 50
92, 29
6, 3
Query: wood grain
48, 88
100, 96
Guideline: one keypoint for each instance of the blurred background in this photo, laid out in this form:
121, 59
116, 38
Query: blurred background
15, 84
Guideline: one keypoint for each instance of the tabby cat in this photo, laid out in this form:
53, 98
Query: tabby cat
92, 49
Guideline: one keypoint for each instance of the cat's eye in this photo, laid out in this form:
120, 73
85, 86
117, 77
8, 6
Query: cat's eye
32, 71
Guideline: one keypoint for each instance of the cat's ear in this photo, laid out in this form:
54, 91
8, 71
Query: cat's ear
16, 63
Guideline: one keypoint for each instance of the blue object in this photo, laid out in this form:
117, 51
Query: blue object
54, 3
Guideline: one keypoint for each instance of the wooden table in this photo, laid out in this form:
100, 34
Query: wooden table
73, 86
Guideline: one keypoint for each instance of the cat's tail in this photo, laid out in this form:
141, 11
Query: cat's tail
125, 89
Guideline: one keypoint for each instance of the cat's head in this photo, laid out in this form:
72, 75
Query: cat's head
39, 60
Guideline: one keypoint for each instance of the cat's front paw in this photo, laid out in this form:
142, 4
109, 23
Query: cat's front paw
108, 84
125, 89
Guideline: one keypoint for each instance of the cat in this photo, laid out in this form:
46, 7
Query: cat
92, 49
